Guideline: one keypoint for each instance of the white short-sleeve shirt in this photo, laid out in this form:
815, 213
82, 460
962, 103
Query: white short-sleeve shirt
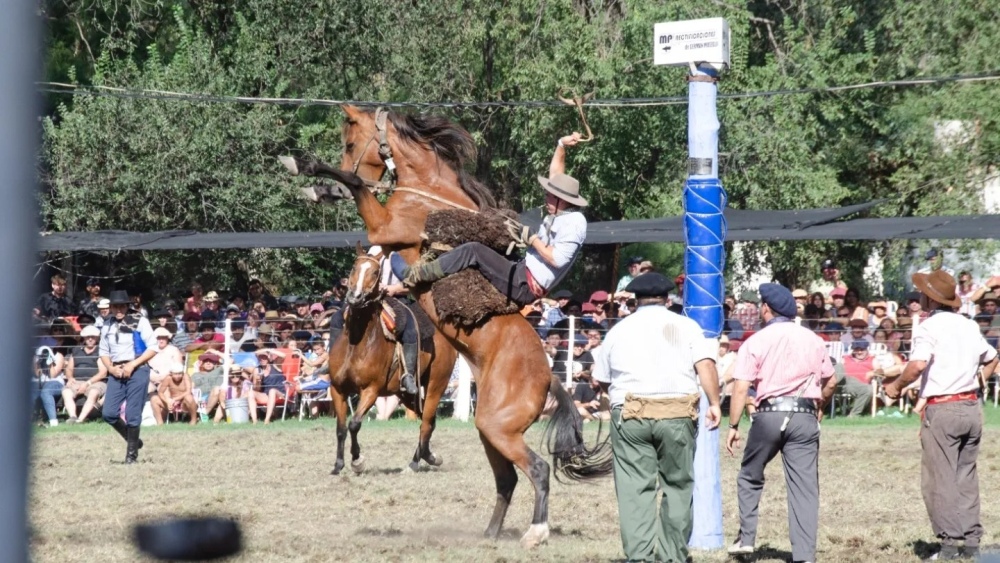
953, 348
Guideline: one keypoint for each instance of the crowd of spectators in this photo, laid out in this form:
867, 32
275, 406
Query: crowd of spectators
868, 336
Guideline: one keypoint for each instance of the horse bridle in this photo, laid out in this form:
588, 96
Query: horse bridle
373, 296
384, 153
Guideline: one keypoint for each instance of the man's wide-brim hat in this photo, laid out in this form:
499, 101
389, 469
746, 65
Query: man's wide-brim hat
119, 297
991, 296
939, 286
564, 187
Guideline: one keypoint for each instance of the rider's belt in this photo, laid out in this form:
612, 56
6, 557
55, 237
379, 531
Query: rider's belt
787, 404
660, 408
533, 286
968, 396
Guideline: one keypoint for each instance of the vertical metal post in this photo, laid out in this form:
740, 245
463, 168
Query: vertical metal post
704, 287
569, 352
19, 128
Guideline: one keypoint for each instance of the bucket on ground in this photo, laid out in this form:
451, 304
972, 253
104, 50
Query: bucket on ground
237, 411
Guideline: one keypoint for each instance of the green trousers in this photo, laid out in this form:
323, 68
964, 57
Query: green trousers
651, 455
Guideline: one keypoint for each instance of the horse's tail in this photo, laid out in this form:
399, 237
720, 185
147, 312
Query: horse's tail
564, 437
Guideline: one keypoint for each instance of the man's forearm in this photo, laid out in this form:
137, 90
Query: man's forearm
990, 368
738, 402
709, 379
910, 374
558, 164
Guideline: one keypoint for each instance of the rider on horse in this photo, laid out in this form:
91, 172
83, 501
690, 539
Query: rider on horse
551, 252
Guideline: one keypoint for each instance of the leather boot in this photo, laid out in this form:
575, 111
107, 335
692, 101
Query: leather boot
408, 382
132, 449
427, 272
122, 430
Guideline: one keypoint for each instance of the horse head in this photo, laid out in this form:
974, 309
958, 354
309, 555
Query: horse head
364, 281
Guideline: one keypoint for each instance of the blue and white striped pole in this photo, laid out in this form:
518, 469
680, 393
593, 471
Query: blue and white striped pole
704, 287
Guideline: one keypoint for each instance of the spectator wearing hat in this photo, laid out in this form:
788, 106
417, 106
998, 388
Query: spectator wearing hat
208, 338
747, 312
858, 368
633, 270
857, 329
85, 375
88, 305
208, 375
268, 382
175, 394
879, 313
913, 306
838, 300
238, 386
550, 252
163, 318
935, 261
600, 314
302, 308
166, 356
829, 278
54, 304
791, 370
650, 365
555, 314
211, 305
988, 305
195, 303
948, 353
902, 336
232, 312
127, 344
103, 312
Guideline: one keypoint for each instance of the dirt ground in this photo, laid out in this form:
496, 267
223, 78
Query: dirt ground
275, 480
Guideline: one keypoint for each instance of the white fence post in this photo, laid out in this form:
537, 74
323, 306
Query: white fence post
569, 352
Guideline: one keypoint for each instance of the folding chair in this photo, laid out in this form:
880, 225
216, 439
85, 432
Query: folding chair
307, 398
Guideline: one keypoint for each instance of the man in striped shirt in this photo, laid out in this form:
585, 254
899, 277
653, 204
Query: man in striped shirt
791, 370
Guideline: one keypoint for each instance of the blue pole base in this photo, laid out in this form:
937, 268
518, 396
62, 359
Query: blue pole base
707, 530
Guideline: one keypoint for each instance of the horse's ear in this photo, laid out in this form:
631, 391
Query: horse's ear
352, 111
360, 251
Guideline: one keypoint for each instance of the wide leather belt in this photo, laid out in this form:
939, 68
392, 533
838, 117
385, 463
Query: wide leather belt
787, 404
967, 396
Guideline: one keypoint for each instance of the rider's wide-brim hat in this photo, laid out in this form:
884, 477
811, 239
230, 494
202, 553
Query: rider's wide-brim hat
939, 286
564, 187
119, 297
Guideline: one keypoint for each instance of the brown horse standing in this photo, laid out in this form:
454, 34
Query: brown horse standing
366, 367
514, 377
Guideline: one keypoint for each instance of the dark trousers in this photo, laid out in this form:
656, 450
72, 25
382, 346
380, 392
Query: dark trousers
132, 391
948, 479
799, 447
510, 278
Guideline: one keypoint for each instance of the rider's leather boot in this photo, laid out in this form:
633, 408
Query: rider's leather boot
408, 382
426, 272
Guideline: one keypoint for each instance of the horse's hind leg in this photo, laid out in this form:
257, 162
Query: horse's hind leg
506, 480
511, 446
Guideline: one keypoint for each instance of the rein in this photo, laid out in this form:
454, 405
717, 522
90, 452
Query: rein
372, 297
389, 186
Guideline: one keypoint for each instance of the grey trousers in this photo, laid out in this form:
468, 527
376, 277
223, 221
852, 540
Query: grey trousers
862, 395
948, 479
799, 447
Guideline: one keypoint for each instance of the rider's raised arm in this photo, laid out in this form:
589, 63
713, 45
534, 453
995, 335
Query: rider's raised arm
558, 164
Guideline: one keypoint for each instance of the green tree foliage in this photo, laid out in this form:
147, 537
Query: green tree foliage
211, 166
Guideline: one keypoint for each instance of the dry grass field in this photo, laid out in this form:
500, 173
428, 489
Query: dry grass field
275, 480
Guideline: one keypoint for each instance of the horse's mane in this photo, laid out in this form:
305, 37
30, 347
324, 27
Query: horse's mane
451, 143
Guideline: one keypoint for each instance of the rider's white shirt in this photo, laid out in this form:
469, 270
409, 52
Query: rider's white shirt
566, 233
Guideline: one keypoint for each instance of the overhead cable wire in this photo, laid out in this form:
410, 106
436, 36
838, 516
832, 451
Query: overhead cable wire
130, 93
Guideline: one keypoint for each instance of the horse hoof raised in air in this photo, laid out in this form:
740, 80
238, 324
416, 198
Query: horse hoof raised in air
358, 465
536, 535
289, 163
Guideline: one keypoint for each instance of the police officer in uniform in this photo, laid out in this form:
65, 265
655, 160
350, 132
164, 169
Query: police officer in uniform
127, 343
791, 370
948, 350
651, 364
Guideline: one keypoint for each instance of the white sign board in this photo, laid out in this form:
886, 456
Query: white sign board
692, 41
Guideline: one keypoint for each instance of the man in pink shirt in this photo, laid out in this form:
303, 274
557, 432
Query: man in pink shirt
948, 351
792, 372
859, 367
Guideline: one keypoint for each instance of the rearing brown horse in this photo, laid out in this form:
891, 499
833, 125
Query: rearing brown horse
429, 154
361, 361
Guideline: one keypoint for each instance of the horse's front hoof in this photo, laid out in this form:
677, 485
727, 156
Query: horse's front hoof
358, 465
536, 535
337, 469
289, 163
434, 460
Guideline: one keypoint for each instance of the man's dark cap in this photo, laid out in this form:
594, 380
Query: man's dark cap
913, 296
932, 253
206, 325
189, 316
828, 264
160, 313
301, 335
563, 294
859, 345
779, 299
91, 282
635, 260
650, 284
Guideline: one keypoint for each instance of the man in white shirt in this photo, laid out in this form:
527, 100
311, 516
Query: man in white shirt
551, 251
948, 350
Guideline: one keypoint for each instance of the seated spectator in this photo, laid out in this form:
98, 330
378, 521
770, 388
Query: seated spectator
136, 305
85, 375
313, 358
256, 292
209, 374
237, 387
209, 339
54, 304
747, 312
268, 383
646, 266
988, 306
103, 312
163, 318
587, 398
833, 329
166, 356
904, 338
801, 297
301, 308
633, 270
187, 332
965, 291
89, 304
232, 312
301, 339
837, 301
985, 322
553, 340
858, 330
47, 382
265, 337
914, 306
879, 313
594, 338
175, 394
731, 327
817, 300
857, 310
211, 306
725, 365
195, 303
859, 368
238, 335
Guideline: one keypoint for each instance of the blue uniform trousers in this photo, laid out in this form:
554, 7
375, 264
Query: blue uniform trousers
132, 391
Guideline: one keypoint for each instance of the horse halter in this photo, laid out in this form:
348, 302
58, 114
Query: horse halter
367, 297
384, 153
